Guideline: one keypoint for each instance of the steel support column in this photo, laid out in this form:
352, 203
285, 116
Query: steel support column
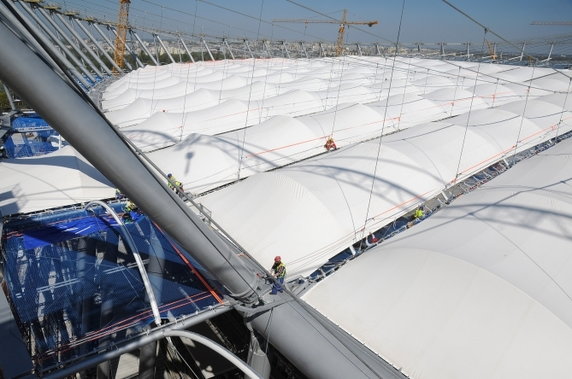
45, 43
96, 43
187, 49
55, 39
165, 48
248, 48
82, 43
550, 53
303, 48
155, 62
267, 48
9, 96
228, 48
137, 61
112, 46
208, 50
286, 52
69, 41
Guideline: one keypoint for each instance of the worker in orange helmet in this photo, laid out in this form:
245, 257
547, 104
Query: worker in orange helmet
278, 271
373, 239
330, 144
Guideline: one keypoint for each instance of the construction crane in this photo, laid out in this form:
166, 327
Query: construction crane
121, 36
341, 31
492, 48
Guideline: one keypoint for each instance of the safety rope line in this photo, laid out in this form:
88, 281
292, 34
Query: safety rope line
333, 61
374, 176
268, 69
338, 97
523, 115
382, 82
267, 330
242, 143
455, 93
494, 93
468, 116
193, 33
184, 112
155, 71
563, 107
404, 94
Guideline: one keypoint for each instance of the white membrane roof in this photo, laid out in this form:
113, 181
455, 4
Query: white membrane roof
160, 106
293, 106
339, 196
481, 289
59, 179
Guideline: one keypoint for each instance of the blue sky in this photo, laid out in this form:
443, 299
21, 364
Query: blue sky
423, 20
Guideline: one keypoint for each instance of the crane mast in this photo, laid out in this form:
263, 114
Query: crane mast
120, 38
341, 33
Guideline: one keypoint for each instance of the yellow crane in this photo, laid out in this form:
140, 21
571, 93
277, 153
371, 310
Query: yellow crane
492, 48
121, 37
341, 31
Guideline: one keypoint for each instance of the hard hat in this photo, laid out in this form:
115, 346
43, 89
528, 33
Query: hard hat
277, 258
169, 175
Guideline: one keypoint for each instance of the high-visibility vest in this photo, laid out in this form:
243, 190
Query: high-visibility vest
130, 206
174, 182
279, 269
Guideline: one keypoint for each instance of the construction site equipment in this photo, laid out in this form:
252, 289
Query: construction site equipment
492, 49
341, 31
120, 38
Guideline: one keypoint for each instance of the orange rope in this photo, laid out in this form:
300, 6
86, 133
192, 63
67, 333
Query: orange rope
198, 275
